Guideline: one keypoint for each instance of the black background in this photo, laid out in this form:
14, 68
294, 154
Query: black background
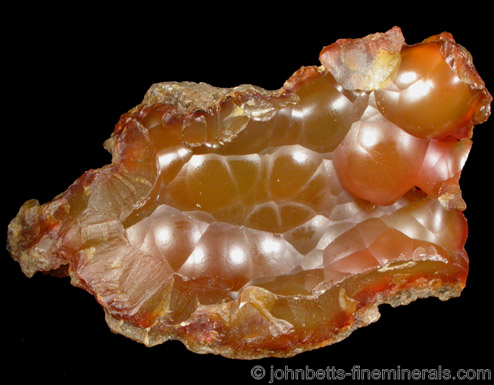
70, 73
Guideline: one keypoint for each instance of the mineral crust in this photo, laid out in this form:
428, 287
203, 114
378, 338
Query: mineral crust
253, 223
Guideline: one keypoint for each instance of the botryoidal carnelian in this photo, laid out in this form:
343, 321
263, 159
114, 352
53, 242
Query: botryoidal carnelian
253, 223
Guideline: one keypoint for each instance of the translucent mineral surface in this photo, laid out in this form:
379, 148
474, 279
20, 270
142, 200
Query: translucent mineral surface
253, 223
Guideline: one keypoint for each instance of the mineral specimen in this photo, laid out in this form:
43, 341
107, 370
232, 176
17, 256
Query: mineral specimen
253, 223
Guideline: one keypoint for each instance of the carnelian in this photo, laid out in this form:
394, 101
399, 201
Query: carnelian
253, 223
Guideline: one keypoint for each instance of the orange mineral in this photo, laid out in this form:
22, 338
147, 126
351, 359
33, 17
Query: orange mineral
253, 223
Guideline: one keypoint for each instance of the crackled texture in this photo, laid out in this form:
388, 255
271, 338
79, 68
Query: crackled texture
254, 223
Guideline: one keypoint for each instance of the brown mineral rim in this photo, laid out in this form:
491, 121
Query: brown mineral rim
253, 223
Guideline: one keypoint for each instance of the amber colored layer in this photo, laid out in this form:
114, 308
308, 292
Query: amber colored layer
253, 223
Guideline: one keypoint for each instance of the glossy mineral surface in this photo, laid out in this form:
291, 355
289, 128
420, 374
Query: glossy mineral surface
253, 223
